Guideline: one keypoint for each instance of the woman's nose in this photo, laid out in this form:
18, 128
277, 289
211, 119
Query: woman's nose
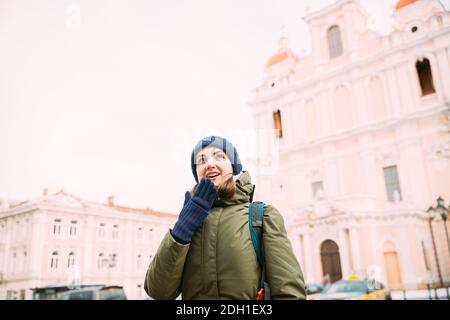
211, 163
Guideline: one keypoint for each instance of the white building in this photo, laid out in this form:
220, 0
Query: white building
363, 125
61, 239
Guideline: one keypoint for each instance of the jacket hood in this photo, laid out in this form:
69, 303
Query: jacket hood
244, 191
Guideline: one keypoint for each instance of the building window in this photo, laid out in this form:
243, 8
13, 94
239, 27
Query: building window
57, 227
73, 228
54, 261
115, 231
24, 262
71, 260
14, 261
139, 291
100, 261
392, 182
150, 234
334, 41
425, 76
18, 233
278, 124
316, 187
101, 230
139, 262
139, 233
112, 263
2, 232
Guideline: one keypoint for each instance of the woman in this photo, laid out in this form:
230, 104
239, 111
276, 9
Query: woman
209, 253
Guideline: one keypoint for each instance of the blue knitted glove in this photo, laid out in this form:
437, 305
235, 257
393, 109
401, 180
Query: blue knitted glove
195, 210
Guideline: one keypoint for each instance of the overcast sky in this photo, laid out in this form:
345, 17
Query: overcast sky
109, 97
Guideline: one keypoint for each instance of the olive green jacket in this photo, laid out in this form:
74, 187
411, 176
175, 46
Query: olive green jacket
220, 262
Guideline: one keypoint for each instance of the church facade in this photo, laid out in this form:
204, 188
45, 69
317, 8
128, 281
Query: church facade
362, 125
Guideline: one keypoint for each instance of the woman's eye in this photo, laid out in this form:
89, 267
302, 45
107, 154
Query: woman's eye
201, 160
220, 156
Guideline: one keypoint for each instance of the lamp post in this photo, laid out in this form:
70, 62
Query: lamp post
431, 213
444, 215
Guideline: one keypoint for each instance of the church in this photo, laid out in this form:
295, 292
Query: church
362, 125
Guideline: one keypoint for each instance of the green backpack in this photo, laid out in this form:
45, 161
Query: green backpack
255, 222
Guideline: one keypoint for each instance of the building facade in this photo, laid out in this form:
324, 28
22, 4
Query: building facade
363, 130
60, 239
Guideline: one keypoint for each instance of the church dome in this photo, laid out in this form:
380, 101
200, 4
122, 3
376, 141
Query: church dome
403, 3
277, 58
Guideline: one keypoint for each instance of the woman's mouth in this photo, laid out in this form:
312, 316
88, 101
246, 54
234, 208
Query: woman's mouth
213, 175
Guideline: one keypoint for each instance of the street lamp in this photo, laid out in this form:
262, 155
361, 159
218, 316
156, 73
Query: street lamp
443, 211
431, 213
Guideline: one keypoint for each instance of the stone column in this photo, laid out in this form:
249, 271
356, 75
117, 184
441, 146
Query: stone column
369, 167
354, 244
406, 90
37, 243
443, 73
405, 257
349, 29
89, 268
331, 172
309, 259
393, 96
360, 101
129, 258
343, 250
300, 120
323, 114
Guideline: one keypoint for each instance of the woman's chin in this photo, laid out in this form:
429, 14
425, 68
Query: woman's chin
216, 182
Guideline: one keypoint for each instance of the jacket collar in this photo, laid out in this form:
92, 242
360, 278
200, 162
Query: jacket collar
244, 191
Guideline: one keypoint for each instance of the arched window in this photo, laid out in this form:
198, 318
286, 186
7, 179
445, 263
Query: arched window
278, 124
425, 76
54, 260
334, 41
71, 260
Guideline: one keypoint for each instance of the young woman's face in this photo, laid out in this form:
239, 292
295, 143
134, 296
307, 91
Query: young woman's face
214, 163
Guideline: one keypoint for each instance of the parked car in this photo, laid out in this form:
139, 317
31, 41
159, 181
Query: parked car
359, 289
95, 293
313, 290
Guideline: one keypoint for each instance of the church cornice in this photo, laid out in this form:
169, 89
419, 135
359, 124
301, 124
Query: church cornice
360, 218
389, 124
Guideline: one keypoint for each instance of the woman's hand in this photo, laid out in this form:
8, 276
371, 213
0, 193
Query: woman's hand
195, 210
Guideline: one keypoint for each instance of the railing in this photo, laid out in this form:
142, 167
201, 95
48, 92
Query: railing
424, 294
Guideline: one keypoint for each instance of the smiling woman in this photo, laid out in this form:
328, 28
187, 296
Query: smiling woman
209, 253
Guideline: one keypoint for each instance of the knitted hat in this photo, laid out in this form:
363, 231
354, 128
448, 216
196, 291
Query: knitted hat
222, 144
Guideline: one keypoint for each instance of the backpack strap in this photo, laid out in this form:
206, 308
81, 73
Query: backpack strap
255, 222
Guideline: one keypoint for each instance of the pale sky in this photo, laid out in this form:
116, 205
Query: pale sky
109, 97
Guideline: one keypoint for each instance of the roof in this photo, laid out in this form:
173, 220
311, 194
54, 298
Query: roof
403, 3
277, 58
65, 200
